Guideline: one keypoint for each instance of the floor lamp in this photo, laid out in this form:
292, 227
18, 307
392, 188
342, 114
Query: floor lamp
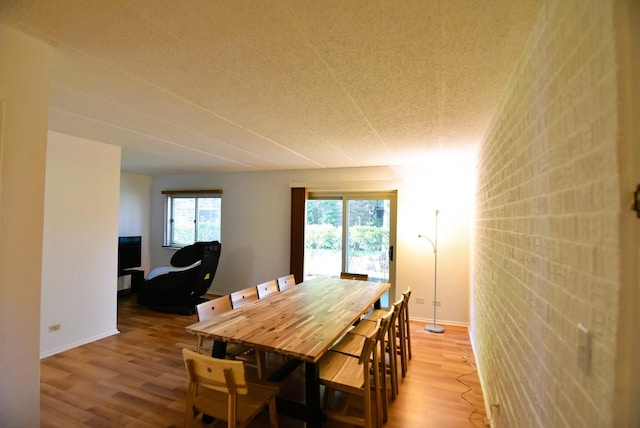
434, 328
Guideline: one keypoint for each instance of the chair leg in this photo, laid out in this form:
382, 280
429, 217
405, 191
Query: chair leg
377, 395
188, 415
405, 352
273, 413
383, 382
260, 363
232, 413
367, 408
408, 336
327, 398
385, 394
401, 350
393, 367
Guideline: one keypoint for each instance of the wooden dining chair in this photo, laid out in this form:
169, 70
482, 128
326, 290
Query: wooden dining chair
238, 299
213, 307
352, 375
390, 354
286, 281
264, 290
402, 330
218, 388
217, 306
244, 296
267, 288
356, 276
352, 342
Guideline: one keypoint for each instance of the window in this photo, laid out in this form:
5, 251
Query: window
192, 215
350, 232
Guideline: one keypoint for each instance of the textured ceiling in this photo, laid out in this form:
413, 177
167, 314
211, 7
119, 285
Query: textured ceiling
195, 86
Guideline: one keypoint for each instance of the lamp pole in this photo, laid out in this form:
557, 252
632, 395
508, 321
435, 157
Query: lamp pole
434, 328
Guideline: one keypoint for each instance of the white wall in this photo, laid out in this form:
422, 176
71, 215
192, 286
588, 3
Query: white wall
256, 224
24, 91
446, 184
79, 264
135, 210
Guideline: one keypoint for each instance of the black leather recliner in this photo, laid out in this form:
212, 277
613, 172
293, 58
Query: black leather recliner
180, 287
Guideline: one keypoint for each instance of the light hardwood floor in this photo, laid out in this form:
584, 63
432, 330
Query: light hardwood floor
137, 379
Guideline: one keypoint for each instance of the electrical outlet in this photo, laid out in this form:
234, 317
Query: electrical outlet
436, 303
54, 327
584, 348
494, 408
420, 300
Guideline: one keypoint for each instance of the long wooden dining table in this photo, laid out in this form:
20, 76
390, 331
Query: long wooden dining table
302, 323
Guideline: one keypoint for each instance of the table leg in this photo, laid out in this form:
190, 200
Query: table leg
312, 395
309, 411
219, 350
377, 304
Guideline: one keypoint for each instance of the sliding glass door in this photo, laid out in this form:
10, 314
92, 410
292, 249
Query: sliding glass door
364, 246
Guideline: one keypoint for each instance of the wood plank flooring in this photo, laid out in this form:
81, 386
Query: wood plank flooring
137, 379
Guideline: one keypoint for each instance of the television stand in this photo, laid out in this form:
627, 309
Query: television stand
129, 281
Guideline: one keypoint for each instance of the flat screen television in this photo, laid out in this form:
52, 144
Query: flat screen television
129, 252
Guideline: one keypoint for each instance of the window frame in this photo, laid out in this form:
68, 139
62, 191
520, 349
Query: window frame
168, 217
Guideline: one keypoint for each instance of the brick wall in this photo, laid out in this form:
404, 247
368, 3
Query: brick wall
546, 250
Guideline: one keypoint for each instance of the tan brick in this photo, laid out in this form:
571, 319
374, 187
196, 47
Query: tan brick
546, 244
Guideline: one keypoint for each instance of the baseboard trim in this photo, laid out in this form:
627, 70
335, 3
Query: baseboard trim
66, 347
439, 321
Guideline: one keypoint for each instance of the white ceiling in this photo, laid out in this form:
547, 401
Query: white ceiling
204, 85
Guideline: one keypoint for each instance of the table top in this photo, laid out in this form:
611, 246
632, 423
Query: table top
301, 321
